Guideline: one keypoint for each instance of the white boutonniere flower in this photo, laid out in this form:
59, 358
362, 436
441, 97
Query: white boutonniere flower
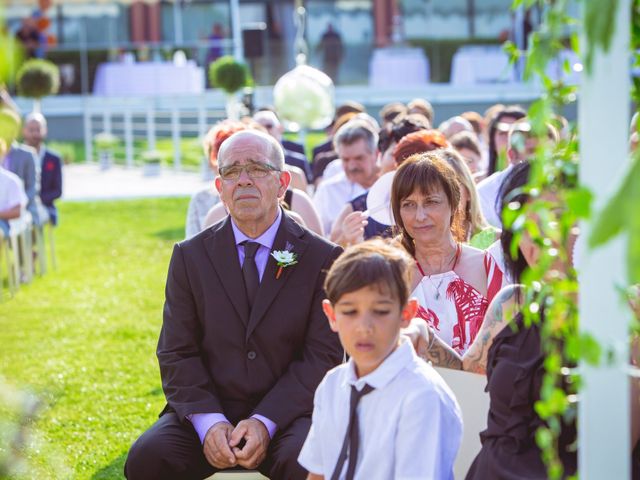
284, 258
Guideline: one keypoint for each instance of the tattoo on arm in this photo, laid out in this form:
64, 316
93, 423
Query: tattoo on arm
442, 355
475, 358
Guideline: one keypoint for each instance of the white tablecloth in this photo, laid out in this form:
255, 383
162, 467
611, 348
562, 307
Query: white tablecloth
474, 65
393, 67
148, 78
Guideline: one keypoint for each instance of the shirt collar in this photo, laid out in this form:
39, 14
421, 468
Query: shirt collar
400, 358
266, 239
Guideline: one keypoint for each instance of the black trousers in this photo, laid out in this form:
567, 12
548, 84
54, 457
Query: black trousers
172, 450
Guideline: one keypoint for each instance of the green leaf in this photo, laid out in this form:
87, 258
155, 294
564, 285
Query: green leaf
579, 201
616, 215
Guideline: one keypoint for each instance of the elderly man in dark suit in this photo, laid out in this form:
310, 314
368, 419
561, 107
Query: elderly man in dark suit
244, 343
48, 164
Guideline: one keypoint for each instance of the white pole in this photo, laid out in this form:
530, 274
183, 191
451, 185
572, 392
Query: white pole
177, 22
88, 133
175, 134
128, 137
603, 119
151, 126
236, 30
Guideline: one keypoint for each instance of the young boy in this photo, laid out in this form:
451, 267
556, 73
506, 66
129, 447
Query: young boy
406, 422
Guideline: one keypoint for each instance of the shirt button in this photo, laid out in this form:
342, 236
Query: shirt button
251, 355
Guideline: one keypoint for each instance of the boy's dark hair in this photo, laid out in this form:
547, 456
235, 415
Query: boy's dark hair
371, 263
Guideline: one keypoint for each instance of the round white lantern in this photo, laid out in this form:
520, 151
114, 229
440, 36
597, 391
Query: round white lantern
303, 98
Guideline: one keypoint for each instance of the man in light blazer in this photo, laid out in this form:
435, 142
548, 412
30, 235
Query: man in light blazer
244, 343
21, 160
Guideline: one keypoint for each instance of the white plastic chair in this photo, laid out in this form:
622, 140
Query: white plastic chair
474, 403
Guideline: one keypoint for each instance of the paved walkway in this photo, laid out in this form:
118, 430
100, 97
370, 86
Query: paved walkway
88, 182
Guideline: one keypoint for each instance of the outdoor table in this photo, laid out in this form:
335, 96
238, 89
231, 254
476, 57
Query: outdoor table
474, 65
392, 67
148, 78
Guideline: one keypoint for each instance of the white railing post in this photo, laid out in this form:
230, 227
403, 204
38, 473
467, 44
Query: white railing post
202, 131
175, 135
128, 136
603, 119
88, 133
151, 127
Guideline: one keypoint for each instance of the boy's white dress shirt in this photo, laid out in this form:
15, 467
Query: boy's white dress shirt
410, 425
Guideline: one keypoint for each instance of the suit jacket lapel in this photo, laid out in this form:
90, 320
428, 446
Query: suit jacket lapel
289, 237
221, 249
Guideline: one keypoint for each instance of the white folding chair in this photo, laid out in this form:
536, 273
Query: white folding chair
474, 403
238, 475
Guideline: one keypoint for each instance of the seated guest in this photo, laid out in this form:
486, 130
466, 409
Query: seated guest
455, 125
21, 160
510, 353
521, 146
467, 145
499, 124
335, 167
12, 196
270, 122
453, 282
243, 343
391, 111
355, 144
48, 166
352, 225
397, 416
420, 106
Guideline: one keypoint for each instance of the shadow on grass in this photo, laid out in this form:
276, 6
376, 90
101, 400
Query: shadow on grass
170, 234
155, 391
114, 470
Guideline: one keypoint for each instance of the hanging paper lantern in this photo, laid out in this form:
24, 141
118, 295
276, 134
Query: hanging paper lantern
303, 98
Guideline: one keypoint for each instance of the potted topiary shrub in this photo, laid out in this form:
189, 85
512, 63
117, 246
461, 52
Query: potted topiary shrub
105, 144
231, 76
36, 79
152, 163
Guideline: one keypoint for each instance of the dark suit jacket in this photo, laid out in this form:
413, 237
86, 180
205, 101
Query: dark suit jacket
293, 146
51, 182
217, 357
300, 161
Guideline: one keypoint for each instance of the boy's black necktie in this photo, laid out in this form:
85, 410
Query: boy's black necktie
250, 270
351, 437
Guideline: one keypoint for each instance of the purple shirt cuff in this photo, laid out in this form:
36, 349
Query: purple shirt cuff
202, 422
271, 427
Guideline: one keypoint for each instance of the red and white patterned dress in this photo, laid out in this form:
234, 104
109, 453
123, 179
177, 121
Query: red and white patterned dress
454, 308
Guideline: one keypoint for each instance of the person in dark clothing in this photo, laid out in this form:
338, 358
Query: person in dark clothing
332, 51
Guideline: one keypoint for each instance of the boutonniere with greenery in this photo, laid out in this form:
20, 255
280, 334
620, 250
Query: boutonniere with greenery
285, 258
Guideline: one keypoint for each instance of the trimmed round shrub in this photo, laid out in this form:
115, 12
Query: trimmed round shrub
229, 75
38, 78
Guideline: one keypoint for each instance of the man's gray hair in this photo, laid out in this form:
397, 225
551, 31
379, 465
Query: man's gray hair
273, 149
35, 117
354, 130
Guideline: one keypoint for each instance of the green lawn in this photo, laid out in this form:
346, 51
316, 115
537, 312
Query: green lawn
83, 337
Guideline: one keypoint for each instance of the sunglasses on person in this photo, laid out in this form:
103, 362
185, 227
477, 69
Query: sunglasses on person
254, 170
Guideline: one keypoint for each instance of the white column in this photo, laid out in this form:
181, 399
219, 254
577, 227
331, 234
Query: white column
236, 29
603, 119
151, 126
177, 22
88, 131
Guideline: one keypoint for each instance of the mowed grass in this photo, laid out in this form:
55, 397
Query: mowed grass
83, 337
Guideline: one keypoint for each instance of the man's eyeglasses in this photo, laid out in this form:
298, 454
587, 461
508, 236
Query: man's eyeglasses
254, 170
